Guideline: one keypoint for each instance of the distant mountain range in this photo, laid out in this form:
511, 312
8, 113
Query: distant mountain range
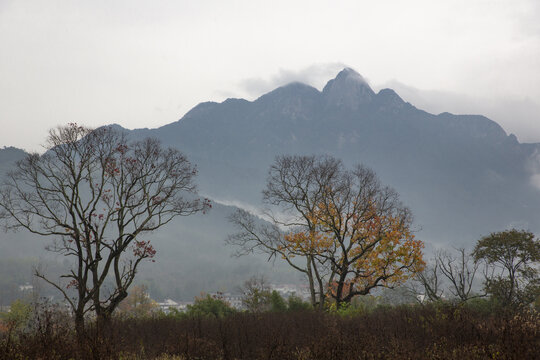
462, 175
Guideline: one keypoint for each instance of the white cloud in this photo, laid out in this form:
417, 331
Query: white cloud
315, 75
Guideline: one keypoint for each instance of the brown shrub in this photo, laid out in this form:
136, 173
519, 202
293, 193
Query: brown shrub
430, 332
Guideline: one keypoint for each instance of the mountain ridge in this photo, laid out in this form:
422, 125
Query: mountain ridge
241, 138
424, 156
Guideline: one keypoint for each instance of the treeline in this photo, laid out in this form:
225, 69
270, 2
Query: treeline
434, 331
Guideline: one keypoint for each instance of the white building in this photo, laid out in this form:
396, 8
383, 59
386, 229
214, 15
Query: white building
168, 304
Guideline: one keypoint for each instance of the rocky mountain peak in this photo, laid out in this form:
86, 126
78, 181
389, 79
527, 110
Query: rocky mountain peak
349, 89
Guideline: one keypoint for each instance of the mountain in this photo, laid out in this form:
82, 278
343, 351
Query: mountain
8, 157
462, 175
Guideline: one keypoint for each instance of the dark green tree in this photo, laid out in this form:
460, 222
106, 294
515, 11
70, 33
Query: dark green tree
277, 302
210, 306
512, 258
295, 303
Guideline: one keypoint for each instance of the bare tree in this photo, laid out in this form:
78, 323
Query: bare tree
256, 294
353, 234
97, 195
429, 283
257, 236
460, 271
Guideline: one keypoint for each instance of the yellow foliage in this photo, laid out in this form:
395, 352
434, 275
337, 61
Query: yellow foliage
369, 244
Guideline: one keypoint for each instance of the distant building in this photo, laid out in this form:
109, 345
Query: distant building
26, 287
234, 300
288, 290
168, 304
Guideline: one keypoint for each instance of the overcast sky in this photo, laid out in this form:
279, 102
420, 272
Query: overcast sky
145, 63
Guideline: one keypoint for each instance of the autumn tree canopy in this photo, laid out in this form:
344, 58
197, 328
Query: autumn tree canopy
352, 233
97, 194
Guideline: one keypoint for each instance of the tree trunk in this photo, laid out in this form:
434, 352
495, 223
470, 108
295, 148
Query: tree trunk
311, 282
104, 313
103, 321
340, 299
79, 326
322, 299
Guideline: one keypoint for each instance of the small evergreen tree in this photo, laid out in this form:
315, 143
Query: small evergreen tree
210, 306
277, 302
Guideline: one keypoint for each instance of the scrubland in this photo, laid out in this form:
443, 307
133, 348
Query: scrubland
434, 331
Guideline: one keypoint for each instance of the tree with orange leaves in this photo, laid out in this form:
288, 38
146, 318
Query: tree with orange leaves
354, 234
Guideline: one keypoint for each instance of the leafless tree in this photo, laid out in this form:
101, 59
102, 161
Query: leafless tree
257, 236
426, 285
256, 294
460, 271
97, 195
457, 272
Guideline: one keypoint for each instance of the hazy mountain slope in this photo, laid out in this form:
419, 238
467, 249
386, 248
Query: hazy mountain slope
462, 175
8, 157
20, 244
192, 256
